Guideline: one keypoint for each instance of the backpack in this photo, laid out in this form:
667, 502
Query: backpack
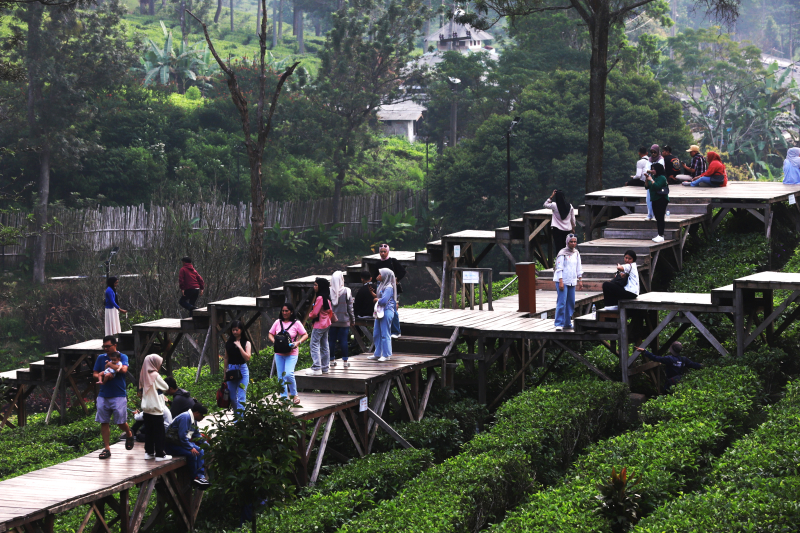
283, 339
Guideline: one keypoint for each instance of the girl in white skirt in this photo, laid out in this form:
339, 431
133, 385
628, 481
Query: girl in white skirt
112, 308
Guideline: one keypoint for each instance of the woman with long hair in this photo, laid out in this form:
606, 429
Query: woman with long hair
113, 309
342, 304
563, 222
567, 274
384, 314
238, 352
153, 407
658, 190
322, 316
285, 361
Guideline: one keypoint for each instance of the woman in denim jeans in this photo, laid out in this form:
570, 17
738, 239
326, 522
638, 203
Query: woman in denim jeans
285, 362
381, 332
237, 355
322, 315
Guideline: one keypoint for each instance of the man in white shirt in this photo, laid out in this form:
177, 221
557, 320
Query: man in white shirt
642, 166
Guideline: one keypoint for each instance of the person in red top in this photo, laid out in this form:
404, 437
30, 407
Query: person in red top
191, 285
715, 176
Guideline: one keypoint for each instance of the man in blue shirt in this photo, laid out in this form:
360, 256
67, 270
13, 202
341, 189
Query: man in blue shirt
182, 438
112, 400
675, 365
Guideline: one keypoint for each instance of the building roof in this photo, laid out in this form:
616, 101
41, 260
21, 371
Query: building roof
461, 30
401, 111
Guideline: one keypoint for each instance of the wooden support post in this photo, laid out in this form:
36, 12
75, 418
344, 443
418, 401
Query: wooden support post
482, 368
322, 445
707, 334
62, 389
145, 490
386, 427
100, 511
350, 432
583, 360
124, 511
769, 304
424, 402
738, 313
623, 344
213, 354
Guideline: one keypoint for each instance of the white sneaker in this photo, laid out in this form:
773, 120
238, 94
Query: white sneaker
316, 372
149, 457
165, 458
371, 357
658, 238
347, 364
559, 328
333, 363
395, 335
382, 359
610, 308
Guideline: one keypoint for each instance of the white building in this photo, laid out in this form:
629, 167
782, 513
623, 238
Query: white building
401, 118
459, 37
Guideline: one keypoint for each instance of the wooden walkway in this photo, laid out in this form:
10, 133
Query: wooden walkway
34, 499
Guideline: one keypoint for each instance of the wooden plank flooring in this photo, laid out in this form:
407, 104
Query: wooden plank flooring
162, 324
238, 302
475, 235
754, 191
67, 485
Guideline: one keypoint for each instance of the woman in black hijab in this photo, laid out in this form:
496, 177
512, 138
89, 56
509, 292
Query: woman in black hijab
563, 217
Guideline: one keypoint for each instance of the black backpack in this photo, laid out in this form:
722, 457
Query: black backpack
283, 339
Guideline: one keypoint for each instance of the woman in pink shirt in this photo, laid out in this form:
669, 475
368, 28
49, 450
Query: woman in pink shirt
321, 315
285, 362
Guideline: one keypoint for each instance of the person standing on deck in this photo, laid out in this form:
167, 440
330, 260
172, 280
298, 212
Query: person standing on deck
153, 407
655, 157
642, 166
698, 165
625, 285
384, 310
342, 304
112, 400
286, 360
567, 274
191, 285
238, 352
322, 316
563, 222
112, 326
658, 189
791, 166
399, 273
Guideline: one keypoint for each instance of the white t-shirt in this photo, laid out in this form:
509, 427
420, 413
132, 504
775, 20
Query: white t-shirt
633, 278
642, 166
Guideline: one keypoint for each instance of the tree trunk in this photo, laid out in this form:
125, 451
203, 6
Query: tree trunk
301, 46
231, 16
294, 19
280, 22
598, 77
453, 123
40, 216
256, 225
258, 18
219, 11
427, 28
337, 194
274, 24
318, 26
151, 7
143, 7
183, 21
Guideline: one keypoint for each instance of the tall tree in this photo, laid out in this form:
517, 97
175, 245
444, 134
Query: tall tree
363, 65
601, 18
70, 58
254, 146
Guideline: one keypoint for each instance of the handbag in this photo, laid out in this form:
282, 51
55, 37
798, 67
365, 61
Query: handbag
619, 280
283, 340
717, 178
233, 375
378, 313
663, 190
223, 396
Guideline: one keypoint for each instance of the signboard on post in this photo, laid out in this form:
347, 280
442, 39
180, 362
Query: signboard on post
471, 276
363, 405
456, 250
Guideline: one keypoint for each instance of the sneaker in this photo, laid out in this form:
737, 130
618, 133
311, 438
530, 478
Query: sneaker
687, 183
325, 370
333, 363
610, 308
382, 359
648, 217
149, 457
347, 364
201, 482
317, 372
658, 238
371, 357
559, 328
165, 458
395, 335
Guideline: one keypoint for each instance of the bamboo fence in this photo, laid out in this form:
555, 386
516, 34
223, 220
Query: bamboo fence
138, 226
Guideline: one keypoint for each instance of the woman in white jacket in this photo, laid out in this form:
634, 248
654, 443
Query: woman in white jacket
153, 408
567, 274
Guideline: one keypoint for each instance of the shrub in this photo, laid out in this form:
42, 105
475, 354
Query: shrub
193, 93
383, 474
462, 494
553, 423
440, 435
469, 413
318, 513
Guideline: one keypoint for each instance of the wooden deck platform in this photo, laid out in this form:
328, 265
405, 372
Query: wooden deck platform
34, 499
757, 292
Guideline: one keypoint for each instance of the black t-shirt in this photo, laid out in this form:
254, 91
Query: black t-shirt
234, 355
363, 304
672, 167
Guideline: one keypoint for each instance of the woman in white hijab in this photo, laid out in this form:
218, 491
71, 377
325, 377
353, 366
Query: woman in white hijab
342, 305
791, 166
385, 307
153, 386
567, 274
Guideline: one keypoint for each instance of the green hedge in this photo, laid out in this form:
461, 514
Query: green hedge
440, 435
383, 474
317, 513
462, 494
668, 456
554, 422
755, 483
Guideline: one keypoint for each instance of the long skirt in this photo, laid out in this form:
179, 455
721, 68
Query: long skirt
112, 322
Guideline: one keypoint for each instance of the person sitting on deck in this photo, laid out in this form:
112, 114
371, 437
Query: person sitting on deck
182, 400
791, 166
113, 366
625, 285
563, 222
642, 166
715, 176
182, 439
697, 167
675, 365
364, 304
672, 165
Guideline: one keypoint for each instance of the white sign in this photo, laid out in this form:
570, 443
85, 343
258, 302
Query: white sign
792, 200
544, 315
363, 405
471, 276
457, 250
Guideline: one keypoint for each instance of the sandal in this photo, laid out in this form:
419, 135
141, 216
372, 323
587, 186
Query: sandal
105, 454
128, 442
296, 400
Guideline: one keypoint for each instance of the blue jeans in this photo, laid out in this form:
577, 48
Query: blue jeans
284, 364
396, 323
239, 394
565, 306
194, 462
705, 181
382, 335
320, 350
649, 205
341, 336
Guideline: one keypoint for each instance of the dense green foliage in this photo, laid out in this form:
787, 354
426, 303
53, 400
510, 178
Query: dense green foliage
317, 513
440, 435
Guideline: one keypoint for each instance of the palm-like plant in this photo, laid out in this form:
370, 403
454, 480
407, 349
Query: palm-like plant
163, 64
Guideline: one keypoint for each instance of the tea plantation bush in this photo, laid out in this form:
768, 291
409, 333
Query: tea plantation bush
440, 435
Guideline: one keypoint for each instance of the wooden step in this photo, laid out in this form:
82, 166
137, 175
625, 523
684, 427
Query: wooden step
421, 345
679, 209
509, 233
619, 246
644, 233
604, 272
642, 260
421, 330
722, 295
596, 321
639, 221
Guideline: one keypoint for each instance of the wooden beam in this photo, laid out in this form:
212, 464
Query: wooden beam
427, 394
584, 361
386, 427
519, 373
539, 228
434, 276
717, 219
322, 445
707, 334
506, 253
350, 432
653, 335
771, 318
406, 398
313, 437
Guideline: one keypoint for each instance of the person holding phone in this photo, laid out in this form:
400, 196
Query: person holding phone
658, 189
237, 355
286, 361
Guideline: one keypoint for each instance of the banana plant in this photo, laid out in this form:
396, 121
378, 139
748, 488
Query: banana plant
165, 64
